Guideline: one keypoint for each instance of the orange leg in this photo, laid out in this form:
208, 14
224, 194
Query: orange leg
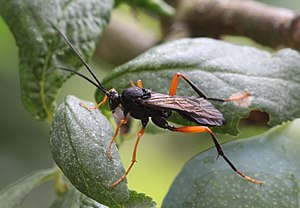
139, 83
174, 86
131, 83
200, 129
123, 121
95, 107
133, 160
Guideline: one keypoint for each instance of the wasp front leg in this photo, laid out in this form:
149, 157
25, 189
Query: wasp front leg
95, 107
138, 82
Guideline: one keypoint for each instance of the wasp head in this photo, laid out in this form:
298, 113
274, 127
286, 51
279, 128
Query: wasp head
114, 99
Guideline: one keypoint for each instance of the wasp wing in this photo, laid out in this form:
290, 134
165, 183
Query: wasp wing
196, 109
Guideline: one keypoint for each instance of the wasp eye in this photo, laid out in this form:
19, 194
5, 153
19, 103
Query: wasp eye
114, 100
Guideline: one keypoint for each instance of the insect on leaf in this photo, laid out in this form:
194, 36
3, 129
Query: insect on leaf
220, 70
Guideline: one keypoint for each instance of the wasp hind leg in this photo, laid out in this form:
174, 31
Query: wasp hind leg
200, 129
162, 122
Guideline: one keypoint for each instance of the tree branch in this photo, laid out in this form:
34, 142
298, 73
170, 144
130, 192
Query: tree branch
271, 26
123, 40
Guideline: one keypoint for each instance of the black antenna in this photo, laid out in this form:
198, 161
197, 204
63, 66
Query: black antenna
83, 76
99, 85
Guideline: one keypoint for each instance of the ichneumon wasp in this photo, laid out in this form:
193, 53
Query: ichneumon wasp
143, 104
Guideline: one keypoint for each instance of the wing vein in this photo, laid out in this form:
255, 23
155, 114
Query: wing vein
196, 109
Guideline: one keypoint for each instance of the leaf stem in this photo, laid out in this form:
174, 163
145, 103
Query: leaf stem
59, 184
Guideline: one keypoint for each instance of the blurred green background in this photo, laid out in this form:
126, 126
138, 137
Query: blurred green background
24, 141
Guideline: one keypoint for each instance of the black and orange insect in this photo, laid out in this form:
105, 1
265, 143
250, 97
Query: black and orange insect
143, 104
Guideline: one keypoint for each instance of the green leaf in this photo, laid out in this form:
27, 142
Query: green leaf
41, 50
139, 200
13, 195
75, 199
155, 6
79, 141
272, 157
219, 69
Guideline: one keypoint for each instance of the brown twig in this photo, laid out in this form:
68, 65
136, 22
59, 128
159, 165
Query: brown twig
268, 25
123, 40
